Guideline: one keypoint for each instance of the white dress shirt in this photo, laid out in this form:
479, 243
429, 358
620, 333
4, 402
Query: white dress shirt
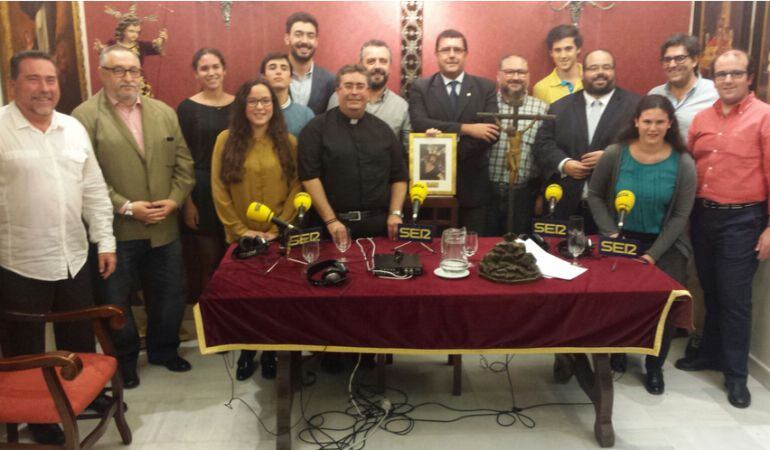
301, 86
50, 184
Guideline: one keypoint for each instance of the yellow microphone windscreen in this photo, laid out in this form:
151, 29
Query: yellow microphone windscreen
259, 212
553, 191
625, 200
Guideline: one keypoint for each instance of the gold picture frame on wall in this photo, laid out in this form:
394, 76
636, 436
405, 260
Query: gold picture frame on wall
53, 27
433, 160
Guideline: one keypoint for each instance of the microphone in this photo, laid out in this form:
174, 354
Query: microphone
624, 201
259, 212
553, 194
417, 194
302, 202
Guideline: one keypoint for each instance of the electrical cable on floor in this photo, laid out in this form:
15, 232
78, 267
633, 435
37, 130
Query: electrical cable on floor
369, 412
229, 403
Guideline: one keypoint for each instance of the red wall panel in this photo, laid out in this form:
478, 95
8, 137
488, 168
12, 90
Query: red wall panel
633, 31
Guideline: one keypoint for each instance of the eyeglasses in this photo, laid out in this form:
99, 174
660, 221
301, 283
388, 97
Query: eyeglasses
679, 59
596, 68
722, 74
512, 72
448, 50
121, 72
264, 101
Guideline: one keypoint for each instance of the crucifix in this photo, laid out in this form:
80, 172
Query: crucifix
513, 153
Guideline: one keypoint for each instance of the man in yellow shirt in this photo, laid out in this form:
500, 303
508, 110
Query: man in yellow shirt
564, 43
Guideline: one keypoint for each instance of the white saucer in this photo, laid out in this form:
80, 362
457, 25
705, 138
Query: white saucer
439, 272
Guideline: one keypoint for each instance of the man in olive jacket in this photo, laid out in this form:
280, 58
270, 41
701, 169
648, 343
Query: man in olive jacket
149, 173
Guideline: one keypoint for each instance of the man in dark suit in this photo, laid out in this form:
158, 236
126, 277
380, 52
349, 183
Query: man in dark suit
448, 101
311, 85
568, 148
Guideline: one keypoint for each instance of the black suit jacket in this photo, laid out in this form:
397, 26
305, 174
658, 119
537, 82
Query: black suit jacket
321, 89
567, 137
430, 107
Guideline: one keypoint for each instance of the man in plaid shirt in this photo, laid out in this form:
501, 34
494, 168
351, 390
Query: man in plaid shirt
513, 82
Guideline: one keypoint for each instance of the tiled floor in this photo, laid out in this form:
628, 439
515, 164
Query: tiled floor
186, 411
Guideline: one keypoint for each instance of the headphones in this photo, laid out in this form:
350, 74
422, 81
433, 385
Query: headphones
250, 246
332, 272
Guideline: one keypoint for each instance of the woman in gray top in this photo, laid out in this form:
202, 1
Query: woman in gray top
651, 161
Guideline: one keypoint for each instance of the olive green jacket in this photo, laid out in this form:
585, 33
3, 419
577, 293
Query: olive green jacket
165, 171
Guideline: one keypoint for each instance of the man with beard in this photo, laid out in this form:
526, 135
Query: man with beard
149, 174
383, 103
448, 101
311, 85
564, 43
568, 148
687, 90
513, 80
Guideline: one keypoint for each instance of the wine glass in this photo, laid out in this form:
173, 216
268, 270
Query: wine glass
576, 238
471, 245
310, 251
342, 242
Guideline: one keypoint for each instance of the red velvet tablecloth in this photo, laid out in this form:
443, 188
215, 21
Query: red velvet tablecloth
602, 310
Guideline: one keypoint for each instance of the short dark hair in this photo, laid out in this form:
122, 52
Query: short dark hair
28, 54
451, 34
599, 50
301, 16
351, 68
560, 32
690, 43
272, 56
207, 51
374, 43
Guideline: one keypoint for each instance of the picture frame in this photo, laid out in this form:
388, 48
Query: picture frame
719, 26
53, 27
433, 160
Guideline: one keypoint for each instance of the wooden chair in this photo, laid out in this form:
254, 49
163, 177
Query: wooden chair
56, 387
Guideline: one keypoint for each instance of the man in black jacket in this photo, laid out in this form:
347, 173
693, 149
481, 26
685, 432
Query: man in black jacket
448, 101
568, 148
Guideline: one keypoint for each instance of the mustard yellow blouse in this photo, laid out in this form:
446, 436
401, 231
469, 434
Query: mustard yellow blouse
263, 181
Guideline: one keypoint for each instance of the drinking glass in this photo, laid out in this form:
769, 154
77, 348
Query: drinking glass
310, 251
576, 238
471, 245
342, 242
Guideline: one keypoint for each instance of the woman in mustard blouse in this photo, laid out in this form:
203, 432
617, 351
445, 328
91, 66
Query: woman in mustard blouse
254, 160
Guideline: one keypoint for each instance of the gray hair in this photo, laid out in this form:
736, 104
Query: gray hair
113, 49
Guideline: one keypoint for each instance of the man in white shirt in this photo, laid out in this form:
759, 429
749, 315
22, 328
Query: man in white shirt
50, 185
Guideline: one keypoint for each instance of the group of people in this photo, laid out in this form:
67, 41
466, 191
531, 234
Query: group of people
125, 167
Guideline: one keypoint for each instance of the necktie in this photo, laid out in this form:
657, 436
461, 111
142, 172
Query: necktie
594, 115
453, 95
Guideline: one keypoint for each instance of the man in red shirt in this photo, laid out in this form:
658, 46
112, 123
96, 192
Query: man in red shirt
730, 142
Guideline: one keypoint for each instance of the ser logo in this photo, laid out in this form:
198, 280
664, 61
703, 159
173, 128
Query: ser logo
619, 247
549, 228
304, 236
413, 232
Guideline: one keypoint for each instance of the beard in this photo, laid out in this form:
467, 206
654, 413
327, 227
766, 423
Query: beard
599, 91
376, 85
301, 58
508, 92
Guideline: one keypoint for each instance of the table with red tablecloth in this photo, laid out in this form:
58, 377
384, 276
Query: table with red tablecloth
617, 305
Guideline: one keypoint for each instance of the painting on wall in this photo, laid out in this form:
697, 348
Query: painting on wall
721, 26
52, 27
762, 52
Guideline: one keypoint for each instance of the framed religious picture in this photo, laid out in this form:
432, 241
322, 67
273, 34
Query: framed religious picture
721, 26
433, 160
761, 52
52, 27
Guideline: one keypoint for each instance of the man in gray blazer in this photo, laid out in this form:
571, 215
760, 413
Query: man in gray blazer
311, 85
149, 174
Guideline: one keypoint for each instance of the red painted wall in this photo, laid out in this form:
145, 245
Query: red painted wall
633, 31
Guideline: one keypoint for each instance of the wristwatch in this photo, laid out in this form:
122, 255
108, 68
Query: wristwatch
398, 213
129, 209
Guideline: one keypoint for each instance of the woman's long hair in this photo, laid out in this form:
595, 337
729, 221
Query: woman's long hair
673, 137
241, 136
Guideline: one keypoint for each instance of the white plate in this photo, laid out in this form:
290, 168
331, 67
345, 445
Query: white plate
439, 272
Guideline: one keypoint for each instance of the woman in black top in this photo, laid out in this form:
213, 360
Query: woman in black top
202, 117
